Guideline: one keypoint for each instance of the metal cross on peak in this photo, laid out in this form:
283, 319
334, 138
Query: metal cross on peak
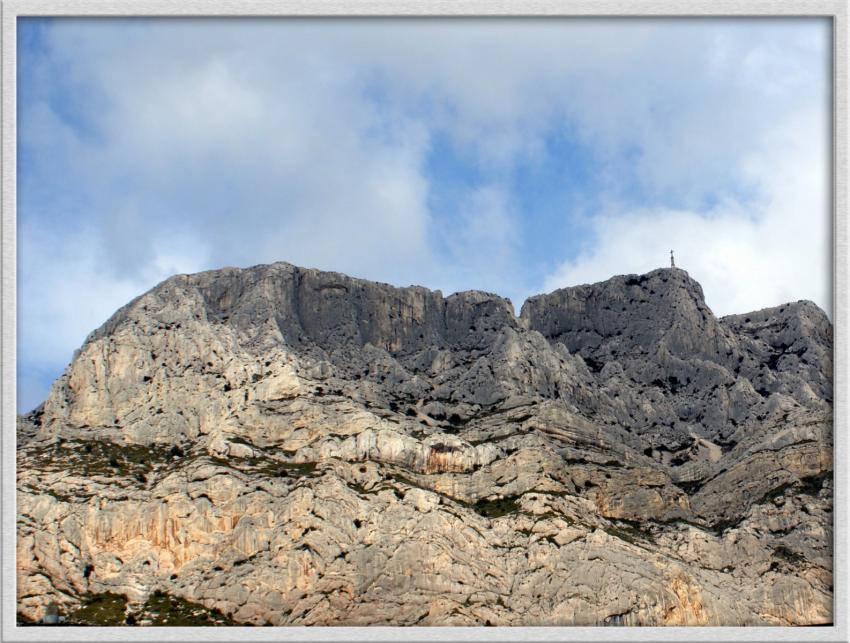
672, 262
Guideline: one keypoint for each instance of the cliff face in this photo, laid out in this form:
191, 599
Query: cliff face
300, 447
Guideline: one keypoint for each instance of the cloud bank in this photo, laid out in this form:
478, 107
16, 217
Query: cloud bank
514, 156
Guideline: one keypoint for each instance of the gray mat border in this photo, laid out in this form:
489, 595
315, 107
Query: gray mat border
11, 9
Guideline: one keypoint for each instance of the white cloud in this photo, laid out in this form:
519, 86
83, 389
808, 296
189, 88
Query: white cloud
482, 244
262, 152
764, 124
765, 252
193, 144
66, 291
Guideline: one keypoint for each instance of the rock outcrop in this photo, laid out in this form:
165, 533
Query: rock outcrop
290, 446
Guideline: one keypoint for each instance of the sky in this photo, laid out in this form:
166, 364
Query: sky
514, 156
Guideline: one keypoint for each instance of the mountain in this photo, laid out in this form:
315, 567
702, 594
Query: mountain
289, 446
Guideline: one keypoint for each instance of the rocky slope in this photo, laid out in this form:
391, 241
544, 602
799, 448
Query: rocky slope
290, 446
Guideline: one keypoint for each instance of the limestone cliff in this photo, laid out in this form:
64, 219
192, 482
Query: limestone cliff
300, 447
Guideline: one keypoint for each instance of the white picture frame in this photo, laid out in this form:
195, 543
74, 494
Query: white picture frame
836, 10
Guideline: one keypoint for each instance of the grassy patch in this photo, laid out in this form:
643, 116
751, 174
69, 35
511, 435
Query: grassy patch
164, 609
295, 469
496, 508
494, 439
723, 524
100, 609
267, 467
360, 489
23, 619
684, 521
161, 608
550, 514
810, 486
773, 494
99, 457
397, 477
61, 497
783, 553
689, 486
631, 532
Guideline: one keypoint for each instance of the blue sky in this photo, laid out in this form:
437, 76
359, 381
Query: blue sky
513, 156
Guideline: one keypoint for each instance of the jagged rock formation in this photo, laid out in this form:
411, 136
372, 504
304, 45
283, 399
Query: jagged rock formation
299, 447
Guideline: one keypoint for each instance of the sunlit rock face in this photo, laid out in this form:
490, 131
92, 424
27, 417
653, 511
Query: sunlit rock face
298, 447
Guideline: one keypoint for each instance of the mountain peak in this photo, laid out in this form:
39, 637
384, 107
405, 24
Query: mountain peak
294, 429
635, 311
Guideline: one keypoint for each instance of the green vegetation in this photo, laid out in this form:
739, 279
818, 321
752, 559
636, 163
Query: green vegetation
360, 489
809, 485
775, 493
100, 457
783, 553
267, 466
100, 609
403, 480
161, 608
690, 487
497, 508
722, 525
812, 485
164, 609
61, 497
684, 521
23, 619
295, 469
631, 532
550, 514
89, 458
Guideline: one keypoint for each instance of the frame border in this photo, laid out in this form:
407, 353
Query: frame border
836, 10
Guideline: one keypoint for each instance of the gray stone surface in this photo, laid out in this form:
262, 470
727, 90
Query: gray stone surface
299, 447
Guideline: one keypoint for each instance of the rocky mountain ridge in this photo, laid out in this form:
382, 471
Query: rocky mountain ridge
300, 447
